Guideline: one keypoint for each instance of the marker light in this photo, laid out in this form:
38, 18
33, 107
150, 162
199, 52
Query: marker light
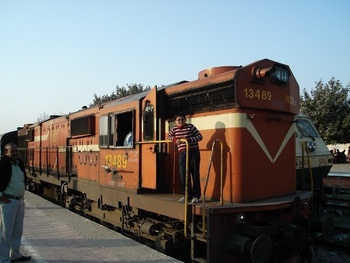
312, 146
240, 218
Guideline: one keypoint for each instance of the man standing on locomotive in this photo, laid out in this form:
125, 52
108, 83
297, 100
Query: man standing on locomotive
12, 187
185, 131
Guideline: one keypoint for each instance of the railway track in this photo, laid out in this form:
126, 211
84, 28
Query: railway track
336, 249
341, 239
332, 250
338, 202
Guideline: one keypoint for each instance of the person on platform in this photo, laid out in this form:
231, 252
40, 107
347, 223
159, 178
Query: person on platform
12, 187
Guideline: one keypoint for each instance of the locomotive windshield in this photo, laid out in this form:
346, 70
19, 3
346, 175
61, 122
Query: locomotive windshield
306, 129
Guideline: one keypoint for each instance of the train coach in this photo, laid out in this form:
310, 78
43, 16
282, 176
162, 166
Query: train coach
113, 162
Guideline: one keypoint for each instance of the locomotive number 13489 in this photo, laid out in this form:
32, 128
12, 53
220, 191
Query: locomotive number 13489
257, 94
116, 160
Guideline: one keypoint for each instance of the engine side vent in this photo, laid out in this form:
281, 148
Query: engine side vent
208, 98
83, 126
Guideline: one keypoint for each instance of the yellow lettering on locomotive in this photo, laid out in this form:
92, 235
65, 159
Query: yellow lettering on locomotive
124, 161
290, 100
108, 158
257, 94
116, 160
114, 163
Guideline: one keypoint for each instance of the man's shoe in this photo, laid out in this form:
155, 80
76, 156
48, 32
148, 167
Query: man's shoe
22, 259
182, 199
195, 200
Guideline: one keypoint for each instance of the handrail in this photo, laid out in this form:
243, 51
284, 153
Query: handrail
149, 142
304, 145
186, 188
207, 179
47, 150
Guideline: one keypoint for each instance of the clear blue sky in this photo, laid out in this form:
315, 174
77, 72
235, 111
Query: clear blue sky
55, 54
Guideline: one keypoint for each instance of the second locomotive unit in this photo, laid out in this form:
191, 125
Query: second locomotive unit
113, 162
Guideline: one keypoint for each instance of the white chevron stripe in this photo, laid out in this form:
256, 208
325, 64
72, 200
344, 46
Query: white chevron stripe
238, 120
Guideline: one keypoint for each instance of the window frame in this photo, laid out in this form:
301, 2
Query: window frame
116, 128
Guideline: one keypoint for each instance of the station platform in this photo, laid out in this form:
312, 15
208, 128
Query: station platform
53, 234
340, 169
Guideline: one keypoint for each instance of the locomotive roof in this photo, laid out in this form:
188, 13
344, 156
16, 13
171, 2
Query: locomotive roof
138, 96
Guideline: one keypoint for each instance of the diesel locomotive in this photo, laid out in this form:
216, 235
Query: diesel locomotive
313, 158
113, 163
313, 161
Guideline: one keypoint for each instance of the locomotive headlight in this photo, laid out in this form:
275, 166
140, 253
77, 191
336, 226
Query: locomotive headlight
240, 218
280, 75
312, 146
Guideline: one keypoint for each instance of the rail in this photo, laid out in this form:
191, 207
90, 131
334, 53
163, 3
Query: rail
49, 152
207, 179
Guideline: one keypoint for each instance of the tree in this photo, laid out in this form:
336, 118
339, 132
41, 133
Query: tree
328, 105
120, 92
43, 117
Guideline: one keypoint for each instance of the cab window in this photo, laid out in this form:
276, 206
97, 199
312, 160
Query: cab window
116, 130
306, 129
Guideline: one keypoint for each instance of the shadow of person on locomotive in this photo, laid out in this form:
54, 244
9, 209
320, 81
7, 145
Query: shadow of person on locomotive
220, 130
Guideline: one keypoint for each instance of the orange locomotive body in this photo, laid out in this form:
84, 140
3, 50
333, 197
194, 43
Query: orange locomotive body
113, 162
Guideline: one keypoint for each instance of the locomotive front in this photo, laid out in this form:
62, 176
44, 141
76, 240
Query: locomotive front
250, 110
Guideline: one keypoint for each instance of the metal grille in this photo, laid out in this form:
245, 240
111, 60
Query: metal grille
83, 126
208, 98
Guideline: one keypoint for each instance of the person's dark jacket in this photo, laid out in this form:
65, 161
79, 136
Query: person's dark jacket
6, 170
